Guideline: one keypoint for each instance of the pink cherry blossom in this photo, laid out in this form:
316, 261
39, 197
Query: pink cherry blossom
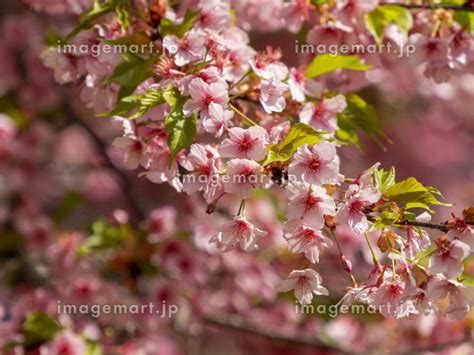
238, 231
317, 164
186, 50
294, 14
462, 231
460, 296
202, 95
448, 258
323, 115
242, 177
304, 239
309, 203
388, 300
271, 95
204, 175
65, 343
214, 14
305, 283
300, 85
135, 151
218, 120
245, 143
267, 65
352, 213
416, 240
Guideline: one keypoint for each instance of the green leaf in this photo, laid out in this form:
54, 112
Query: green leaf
39, 328
168, 27
130, 73
358, 115
383, 15
124, 107
99, 9
104, 236
413, 194
121, 9
148, 100
465, 19
181, 129
384, 179
93, 348
326, 63
299, 134
319, 2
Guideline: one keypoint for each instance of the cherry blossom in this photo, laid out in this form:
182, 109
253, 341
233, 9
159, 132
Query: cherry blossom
323, 116
238, 231
202, 95
245, 143
186, 50
243, 175
218, 120
317, 164
304, 239
448, 258
271, 95
305, 283
309, 203
352, 213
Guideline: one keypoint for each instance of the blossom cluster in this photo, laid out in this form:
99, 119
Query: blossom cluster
219, 121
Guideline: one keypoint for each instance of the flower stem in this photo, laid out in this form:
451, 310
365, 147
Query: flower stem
243, 115
374, 257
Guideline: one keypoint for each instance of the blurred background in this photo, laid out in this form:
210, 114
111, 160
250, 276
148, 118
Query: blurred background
61, 181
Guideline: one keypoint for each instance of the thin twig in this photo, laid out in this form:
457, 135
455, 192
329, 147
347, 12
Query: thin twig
432, 7
444, 227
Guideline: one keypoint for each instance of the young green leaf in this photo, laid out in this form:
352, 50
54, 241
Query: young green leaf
376, 20
413, 194
168, 27
384, 179
181, 129
359, 115
299, 134
130, 73
465, 19
99, 9
39, 328
326, 63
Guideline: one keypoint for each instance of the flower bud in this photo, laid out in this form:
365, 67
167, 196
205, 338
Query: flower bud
346, 264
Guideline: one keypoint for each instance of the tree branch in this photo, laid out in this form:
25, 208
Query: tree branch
433, 7
444, 227
241, 325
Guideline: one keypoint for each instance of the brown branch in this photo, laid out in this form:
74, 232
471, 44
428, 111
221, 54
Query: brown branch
237, 323
432, 7
444, 227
